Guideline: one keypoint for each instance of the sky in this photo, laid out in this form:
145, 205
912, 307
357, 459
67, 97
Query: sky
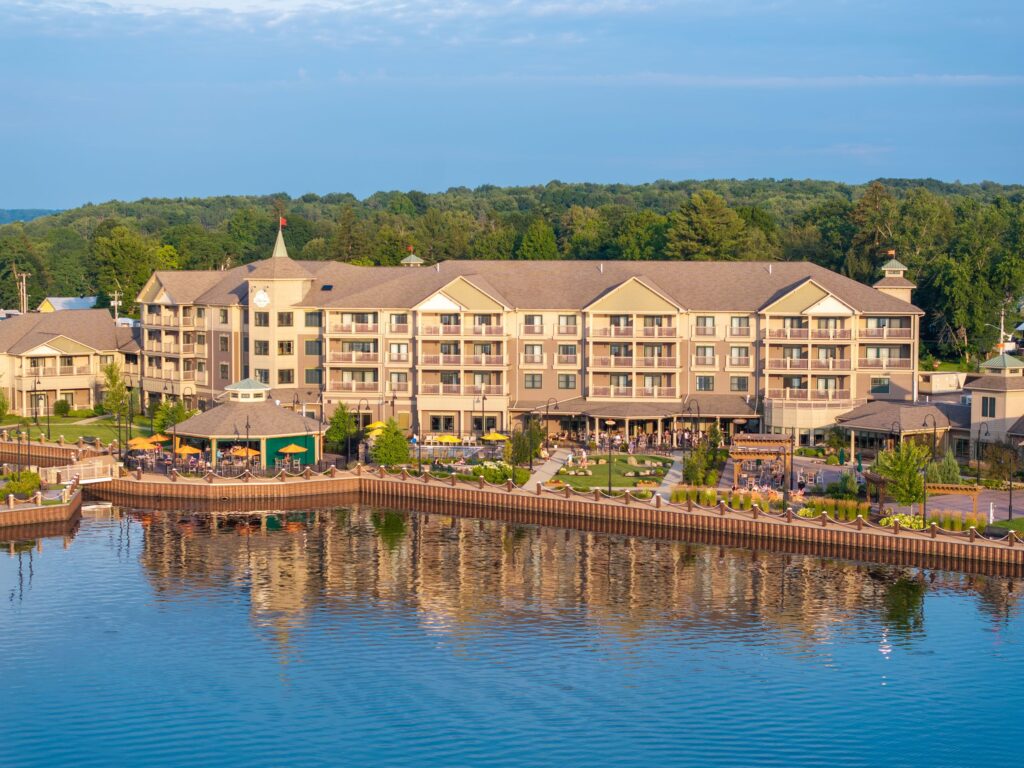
122, 99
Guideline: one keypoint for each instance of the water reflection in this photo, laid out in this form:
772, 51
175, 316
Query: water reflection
459, 573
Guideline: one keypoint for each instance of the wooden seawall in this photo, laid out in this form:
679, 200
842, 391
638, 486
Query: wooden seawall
755, 528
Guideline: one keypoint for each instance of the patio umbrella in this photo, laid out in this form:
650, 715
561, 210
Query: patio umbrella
158, 438
449, 439
375, 433
188, 450
292, 448
140, 442
842, 457
239, 450
494, 436
376, 425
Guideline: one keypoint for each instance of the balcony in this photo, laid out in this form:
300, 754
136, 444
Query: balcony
398, 386
612, 331
799, 334
398, 357
355, 328
202, 378
486, 360
810, 395
487, 330
533, 330
616, 361
441, 360
656, 392
830, 364
656, 362
440, 330
355, 386
887, 363
354, 357
188, 321
567, 360
739, 332
611, 391
745, 362
659, 331
705, 361
886, 333
73, 370
532, 360
836, 334
399, 329
705, 331
788, 364
568, 330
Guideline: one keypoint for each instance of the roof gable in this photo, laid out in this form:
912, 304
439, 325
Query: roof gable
460, 294
630, 294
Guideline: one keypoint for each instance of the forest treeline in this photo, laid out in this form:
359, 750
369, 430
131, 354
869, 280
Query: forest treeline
963, 243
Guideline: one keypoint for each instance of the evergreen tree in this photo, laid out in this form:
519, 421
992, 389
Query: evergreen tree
538, 242
390, 448
706, 229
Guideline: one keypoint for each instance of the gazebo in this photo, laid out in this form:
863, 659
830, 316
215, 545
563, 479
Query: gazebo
249, 422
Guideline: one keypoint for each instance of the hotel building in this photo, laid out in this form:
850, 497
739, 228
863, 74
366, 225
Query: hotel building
464, 346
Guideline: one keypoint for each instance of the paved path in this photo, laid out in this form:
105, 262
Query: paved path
673, 477
549, 468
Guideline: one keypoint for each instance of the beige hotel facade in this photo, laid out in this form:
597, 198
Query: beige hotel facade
464, 346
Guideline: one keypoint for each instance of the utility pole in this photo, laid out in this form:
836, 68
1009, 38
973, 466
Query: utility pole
21, 277
115, 302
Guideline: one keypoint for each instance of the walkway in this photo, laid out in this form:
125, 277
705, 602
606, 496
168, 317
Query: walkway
549, 468
673, 477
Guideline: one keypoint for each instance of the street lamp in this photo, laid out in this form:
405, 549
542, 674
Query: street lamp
977, 448
394, 399
935, 432
1013, 471
689, 410
609, 423
547, 419
483, 414
35, 400
896, 430
359, 413
248, 461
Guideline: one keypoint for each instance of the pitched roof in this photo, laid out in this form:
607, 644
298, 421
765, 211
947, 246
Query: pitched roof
893, 265
60, 303
1001, 362
993, 383
884, 415
735, 406
894, 282
265, 419
248, 385
94, 328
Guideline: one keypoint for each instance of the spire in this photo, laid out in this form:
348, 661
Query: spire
280, 251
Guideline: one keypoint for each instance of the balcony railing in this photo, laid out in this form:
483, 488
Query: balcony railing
487, 330
355, 386
398, 386
398, 357
813, 395
615, 361
885, 333
354, 357
73, 370
892, 363
662, 331
566, 360
440, 330
488, 360
568, 330
830, 364
533, 329
704, 330
355, 327
788, 333
657, 361
739, 331
655, 391
611, 330
533, 359
462, 389
788, 363
744, 361
399, 328
841, 334
705, 361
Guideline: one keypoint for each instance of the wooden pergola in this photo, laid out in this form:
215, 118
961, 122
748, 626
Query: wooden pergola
945, 489
760, 447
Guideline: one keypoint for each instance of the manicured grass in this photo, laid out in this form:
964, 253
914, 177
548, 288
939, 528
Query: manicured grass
952, 366
1017, 524
104, 429
620, 466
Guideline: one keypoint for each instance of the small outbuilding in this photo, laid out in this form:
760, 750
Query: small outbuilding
249, 427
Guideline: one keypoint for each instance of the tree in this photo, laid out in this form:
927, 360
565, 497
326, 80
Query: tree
706, 229
390, 448
1001, 458
341, 428
115, 393
902, 468
5, 404
945, 472
170, 412
526, 443
538, 242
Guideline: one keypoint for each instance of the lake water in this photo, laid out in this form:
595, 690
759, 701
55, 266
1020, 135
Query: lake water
363, 637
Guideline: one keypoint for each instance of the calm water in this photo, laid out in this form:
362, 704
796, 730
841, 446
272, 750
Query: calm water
350, 636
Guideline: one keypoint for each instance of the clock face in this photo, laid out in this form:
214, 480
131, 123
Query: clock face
260, 298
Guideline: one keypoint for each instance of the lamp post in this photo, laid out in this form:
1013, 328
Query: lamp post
689, 410
359, 413
547, 419
609, 423
35, 400
320, 425
977, 449
935, 433
394, 399
1013, 471
529, 437
924, 498
248, 461
896, 429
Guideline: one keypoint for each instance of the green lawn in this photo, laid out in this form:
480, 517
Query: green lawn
1017, 524
105, 429
620, 466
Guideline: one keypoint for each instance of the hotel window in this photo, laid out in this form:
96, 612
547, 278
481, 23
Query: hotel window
621, 321
794, 382
567, 350
533, 381
450, 348
201, 339
794, 322
286, 376
401, 378
828, 323
705, 383
567, 321
738, 383
534, 353
483, 319
222, 342
260, 347
656, 321
285, 319
312, 319
224, 371
567, 381
705, 325
534, 320
442, 423
261, 319
70, 397
879, 385
623, 380
739, 322
106, 359
988, 407
620, 350
200, 313
313, 347
201, 366
263, 375
399, 319
451, 320
314, 375
739, 354
284, 348
705, 355
223, 316
450, 377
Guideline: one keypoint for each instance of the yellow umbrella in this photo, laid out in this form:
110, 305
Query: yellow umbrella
449, 439
293, 448
139, 442
239, 450
376, 425
494, 436
375, 433
188, 450
158, 438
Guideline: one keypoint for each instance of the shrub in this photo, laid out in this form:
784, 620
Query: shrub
97, 410
61, 408
844, 488
912, 522
81, 413
711, 477
832, 461
20, 484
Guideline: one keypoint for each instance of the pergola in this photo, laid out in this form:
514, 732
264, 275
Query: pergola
760, 447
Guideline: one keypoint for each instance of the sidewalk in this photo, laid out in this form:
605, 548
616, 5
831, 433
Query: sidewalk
673, 477
549, 468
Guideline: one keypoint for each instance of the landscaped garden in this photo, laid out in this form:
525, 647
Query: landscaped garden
104, 429
627, 471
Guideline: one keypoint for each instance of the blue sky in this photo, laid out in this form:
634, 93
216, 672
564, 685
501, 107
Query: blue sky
133, 98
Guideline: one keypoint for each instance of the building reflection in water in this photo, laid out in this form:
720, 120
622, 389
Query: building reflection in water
461, 574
